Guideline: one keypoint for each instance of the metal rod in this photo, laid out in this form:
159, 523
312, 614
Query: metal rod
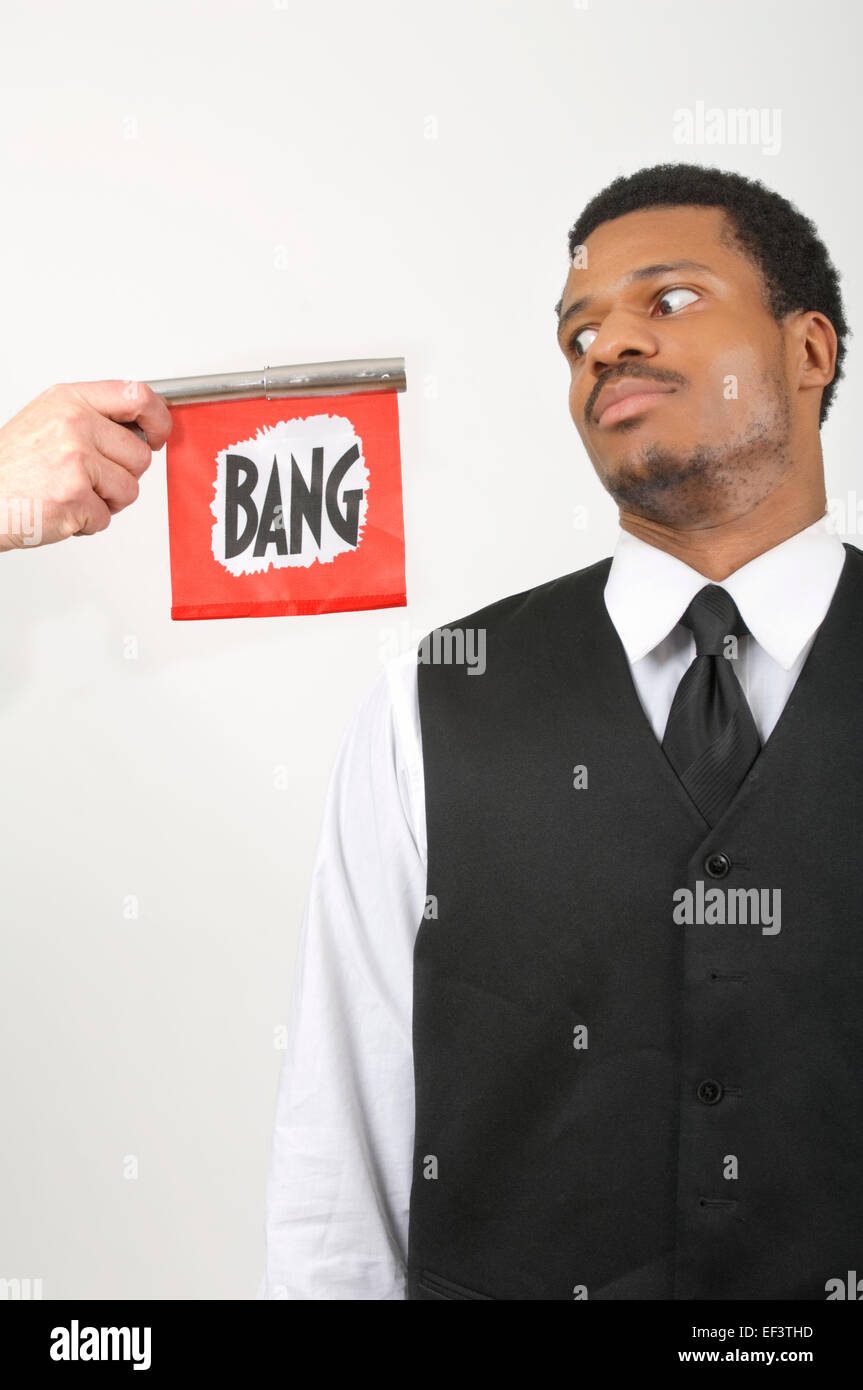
308, 379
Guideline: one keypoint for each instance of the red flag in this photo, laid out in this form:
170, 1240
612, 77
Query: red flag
285, 506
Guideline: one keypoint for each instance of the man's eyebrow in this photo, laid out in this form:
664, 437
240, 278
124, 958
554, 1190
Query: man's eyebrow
644, 273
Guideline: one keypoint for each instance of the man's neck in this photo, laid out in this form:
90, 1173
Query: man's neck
718, 550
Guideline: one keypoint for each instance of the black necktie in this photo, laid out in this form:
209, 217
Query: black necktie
710, 739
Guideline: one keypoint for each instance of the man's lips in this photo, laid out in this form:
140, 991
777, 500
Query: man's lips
626, 397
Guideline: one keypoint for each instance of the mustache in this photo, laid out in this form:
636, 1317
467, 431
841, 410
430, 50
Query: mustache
631, 370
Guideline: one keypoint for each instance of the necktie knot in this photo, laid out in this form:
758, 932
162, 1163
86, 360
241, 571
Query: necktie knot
711, 617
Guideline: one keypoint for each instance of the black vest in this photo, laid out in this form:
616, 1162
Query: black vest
610, 1103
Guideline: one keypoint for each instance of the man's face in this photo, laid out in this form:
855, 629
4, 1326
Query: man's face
715, 435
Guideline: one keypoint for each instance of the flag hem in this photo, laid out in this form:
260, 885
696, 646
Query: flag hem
287, 608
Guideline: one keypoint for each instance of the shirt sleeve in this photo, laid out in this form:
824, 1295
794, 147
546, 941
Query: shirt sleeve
338, 1192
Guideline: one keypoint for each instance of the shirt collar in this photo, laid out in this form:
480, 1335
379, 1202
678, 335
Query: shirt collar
782, 595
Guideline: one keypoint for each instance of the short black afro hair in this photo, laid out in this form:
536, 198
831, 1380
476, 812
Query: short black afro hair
796, 270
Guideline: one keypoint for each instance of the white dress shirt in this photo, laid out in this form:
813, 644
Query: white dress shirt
340, 1172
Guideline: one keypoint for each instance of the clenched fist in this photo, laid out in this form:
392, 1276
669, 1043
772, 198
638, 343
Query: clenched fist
67, 465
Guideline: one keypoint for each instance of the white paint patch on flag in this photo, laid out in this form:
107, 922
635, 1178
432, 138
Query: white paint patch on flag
294, 493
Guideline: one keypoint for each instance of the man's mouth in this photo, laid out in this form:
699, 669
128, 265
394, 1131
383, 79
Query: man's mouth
627, 397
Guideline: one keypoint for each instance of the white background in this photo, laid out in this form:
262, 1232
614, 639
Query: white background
202, 187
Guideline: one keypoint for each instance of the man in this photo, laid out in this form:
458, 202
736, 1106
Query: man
577, 1006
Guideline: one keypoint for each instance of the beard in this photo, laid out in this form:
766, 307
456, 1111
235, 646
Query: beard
701, 485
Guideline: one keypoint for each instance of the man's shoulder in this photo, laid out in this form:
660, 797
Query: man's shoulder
571, 590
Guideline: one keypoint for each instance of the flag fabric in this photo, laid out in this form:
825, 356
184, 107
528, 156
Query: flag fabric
288, 506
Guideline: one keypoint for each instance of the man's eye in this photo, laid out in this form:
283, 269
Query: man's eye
671, 295
577, 349
581, 341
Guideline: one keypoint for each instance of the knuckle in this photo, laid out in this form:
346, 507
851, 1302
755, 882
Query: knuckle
67, 412
73, 457
139, 393
72, 489
65, 398
74, 505
71, 417
75, 516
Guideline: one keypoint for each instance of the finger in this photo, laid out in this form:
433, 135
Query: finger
122, 446
94, 515
114, 484
129, 400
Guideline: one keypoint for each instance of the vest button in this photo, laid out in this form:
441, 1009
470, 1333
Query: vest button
717, 865
710, 1092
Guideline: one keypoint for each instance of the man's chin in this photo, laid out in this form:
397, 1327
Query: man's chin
661, 483
659, 459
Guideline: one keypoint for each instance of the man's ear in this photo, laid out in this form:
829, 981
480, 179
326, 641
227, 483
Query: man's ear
817, 344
